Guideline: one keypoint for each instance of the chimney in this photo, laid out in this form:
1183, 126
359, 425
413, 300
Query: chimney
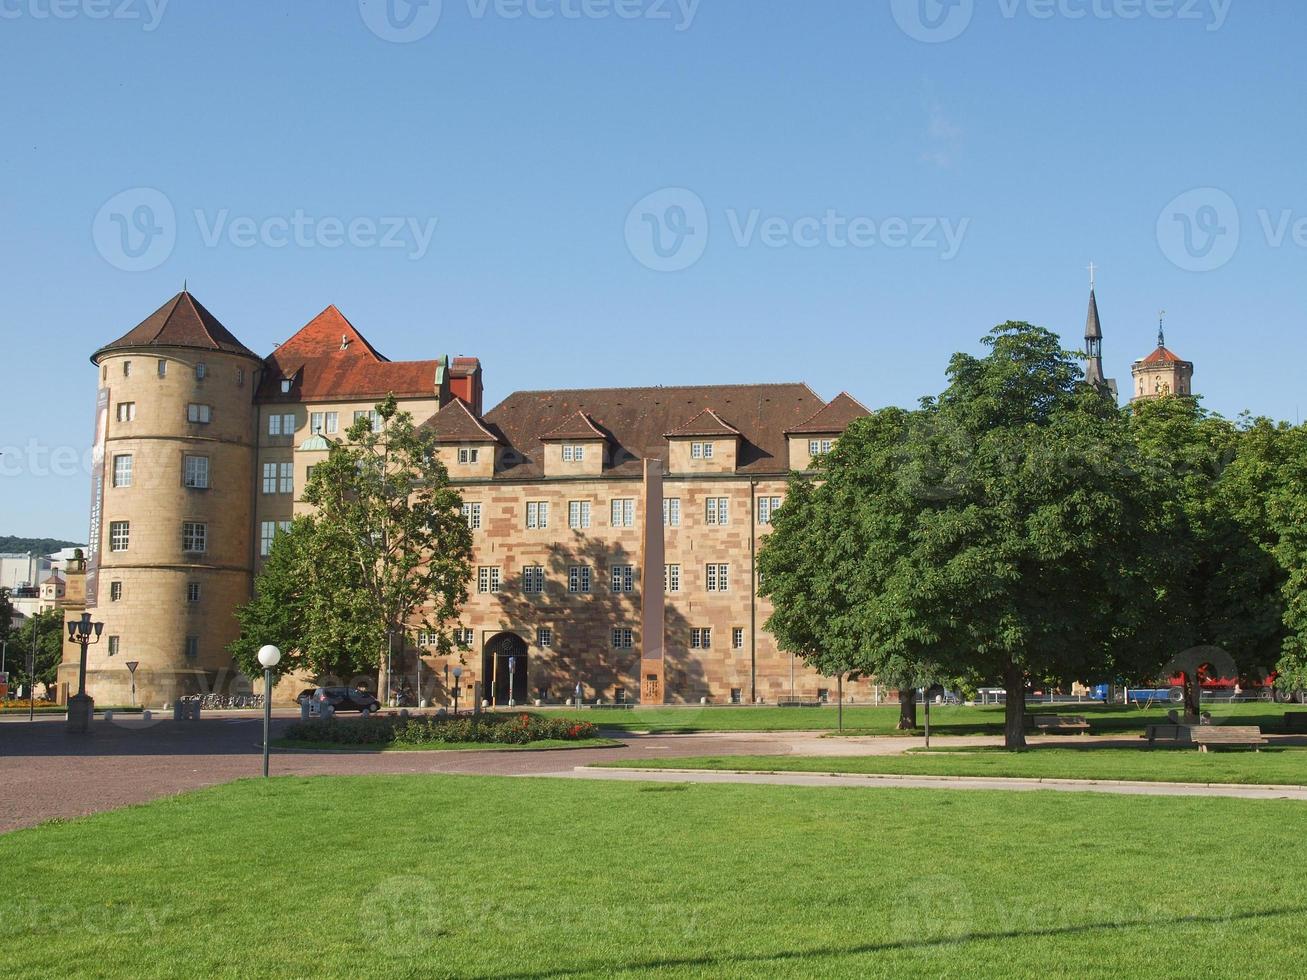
465, 382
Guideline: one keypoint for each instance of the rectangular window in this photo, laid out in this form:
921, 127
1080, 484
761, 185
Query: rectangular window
269, 477
281, 425
287, 482
195, 472
115, 591
623, 578
823, 694
537, 514
127, 369
672, 512
472, 514
767, 506
701, 638
623, 639
192, 648
574, 454
325, 422
468, 456
115, 645
718, 577
488, 579
240, 377
623, 513
195, 538
578, 579
163, 368
192, 591
372, 417
119, 535
122, 470
199, 414
819, 447
126, 411
672, 578
578, 514
201, 371
737, 696
544, 637
267, 531
718, 511
533, 579
737, 638
701, 450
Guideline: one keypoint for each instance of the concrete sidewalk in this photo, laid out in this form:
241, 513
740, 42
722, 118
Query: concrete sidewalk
884, 781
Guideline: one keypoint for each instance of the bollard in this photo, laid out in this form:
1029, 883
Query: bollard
147, 714
108, 716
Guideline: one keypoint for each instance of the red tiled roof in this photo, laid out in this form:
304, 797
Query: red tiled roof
833, 417
181, 322
1163, 355
456, 423
575, 426
706, 423
637, 419
329, 360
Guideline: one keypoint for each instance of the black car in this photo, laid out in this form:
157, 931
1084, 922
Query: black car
347, 699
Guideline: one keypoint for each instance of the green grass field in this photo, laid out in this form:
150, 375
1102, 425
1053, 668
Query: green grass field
944, 720
425, 876
544, 743
1273, 766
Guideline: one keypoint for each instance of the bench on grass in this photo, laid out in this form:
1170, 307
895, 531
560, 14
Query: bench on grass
623, 706
1168, 733
1206, 735
1053, 724
1295, 721
799, 703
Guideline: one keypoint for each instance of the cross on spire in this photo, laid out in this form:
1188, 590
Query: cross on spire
1092, 270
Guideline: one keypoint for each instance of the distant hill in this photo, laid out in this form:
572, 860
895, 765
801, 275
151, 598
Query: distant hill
36, 546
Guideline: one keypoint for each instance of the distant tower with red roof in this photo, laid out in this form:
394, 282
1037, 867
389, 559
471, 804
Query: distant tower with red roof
1162, 372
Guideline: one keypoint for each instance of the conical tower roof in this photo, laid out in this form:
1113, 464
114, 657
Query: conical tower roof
181, 322
1093, 326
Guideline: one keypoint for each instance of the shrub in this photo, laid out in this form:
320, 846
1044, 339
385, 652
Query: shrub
487, 729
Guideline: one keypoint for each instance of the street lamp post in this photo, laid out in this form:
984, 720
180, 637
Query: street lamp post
512, 676
269, 656
458, 673
81, 707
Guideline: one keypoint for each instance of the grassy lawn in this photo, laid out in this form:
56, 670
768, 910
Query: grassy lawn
944, 720
418, 876
545, 743
1277, 766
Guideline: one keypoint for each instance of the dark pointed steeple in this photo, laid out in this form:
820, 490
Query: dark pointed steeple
1093, 343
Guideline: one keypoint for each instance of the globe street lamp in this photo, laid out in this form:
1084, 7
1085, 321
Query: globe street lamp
269, 656
458, 672
81, 707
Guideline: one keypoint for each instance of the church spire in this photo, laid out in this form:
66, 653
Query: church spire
1161, 329
1093, 338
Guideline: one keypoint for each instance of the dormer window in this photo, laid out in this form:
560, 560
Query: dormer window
285, 386
574, 454
344, 341
469, 456
701, 450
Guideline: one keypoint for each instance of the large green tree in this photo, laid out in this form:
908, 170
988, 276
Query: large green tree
1006, 530
386, 549
48, 628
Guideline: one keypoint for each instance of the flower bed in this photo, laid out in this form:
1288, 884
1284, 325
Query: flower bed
486, 729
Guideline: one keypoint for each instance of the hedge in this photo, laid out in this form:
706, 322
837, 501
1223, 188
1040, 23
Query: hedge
490, 729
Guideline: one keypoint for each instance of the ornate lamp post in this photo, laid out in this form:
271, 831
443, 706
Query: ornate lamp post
269, 656
458, 674
81, 707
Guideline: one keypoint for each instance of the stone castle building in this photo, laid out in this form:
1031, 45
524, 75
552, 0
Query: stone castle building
615, 530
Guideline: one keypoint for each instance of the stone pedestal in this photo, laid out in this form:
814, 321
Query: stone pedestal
81, 709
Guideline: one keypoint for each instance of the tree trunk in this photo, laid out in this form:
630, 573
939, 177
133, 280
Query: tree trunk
1014, 716
907, 709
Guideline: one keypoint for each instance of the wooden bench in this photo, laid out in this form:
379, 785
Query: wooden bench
1295, 722
1205, 735
1168, 733
1052, 724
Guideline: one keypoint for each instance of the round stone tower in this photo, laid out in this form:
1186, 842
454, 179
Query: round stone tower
171, 549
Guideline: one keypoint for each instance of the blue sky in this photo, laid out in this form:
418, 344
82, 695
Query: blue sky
835, 200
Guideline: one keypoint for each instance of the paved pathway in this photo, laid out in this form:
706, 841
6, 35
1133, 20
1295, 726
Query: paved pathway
46, 773
855, 780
